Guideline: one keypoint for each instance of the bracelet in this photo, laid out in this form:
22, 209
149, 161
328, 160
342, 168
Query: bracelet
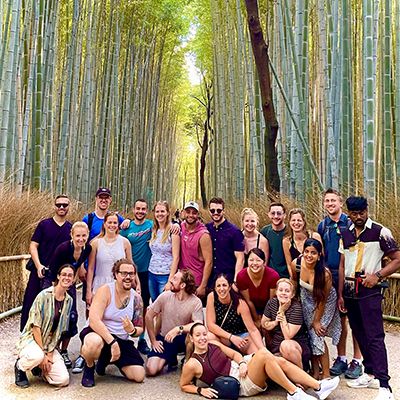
133, 333
230, 337
112, 342
242, 362
199, 390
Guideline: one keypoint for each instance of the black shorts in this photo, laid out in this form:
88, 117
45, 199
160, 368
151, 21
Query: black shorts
171, 350
144, 285
129, 353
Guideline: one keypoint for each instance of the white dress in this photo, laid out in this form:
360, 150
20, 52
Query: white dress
107, 254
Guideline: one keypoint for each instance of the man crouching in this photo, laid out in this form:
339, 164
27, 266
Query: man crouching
107, 339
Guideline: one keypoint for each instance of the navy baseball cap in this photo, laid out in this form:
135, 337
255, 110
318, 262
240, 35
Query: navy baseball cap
103, 190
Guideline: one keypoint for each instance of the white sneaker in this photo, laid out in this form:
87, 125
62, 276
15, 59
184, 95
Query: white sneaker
364, 381
299, 394
327, 386
384, 394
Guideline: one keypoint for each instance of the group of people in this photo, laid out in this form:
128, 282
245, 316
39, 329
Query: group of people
270, 296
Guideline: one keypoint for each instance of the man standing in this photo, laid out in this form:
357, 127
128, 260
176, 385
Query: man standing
116, 316
362, 271
274, 232
330, 230
48, 235
179, 309
139, 234
95, 219
196, 247
227, 241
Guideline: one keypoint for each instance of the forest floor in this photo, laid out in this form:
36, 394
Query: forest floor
114, 386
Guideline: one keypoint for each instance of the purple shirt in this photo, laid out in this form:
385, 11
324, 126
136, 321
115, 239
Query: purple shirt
49, 235
226, 239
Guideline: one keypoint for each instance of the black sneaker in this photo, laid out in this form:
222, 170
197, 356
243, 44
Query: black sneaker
67, 360
88, 376
21, 380
142, 347
36, 371
101, 365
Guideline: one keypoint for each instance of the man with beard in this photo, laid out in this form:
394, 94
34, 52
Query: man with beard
49, 233
362, 272
330, 230
274, 232
178, 308
116, 314
196, 247
227, 241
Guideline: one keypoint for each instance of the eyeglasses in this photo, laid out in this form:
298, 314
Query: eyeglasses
216, 210
277, 213
63, 205
124, 274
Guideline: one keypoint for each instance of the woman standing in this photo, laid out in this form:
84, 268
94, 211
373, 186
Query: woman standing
318, 300
209, 360
283, 319
252, 237
165, 248
48, 319
107, 248
229, 319
257, 283
293, 242
73, 252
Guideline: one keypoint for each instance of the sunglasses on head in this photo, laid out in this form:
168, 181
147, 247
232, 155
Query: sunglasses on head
216, 210
63, 205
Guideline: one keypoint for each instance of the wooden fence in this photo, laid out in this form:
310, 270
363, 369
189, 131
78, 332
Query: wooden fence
13, 279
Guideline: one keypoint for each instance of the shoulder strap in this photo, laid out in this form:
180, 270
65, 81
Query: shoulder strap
90, 220
226, 314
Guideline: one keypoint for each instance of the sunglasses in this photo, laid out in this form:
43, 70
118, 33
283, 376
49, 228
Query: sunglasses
277, 213
216, 210
63, 205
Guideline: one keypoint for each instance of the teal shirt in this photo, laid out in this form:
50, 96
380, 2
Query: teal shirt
276, 256
139, 237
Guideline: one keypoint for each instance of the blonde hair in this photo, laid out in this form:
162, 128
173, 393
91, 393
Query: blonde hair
156, 225
288, 281
248, 211
79, 224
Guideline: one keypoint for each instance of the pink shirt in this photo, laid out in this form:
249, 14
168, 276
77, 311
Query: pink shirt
191, 257
258, 295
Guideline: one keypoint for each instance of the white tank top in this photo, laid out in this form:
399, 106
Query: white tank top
112, 317
107, 254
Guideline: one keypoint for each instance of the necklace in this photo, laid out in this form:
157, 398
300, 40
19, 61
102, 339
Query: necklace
58, 306
203, 359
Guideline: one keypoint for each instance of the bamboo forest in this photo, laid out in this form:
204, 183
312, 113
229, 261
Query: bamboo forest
179, 99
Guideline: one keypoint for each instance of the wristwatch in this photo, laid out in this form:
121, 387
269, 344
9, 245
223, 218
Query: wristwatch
379, 276
180, 329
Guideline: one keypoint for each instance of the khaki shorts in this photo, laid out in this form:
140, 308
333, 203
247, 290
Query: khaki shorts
247, 386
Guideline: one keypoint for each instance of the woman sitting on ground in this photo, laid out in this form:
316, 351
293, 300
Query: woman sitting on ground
229, 319
318, 300
48, 319
257, 283
293, 242
208, 360
283, 319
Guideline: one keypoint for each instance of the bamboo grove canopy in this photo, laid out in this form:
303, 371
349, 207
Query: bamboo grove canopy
95, 92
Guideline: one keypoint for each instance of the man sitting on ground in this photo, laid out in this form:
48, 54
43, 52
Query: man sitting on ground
178, 309
116, 316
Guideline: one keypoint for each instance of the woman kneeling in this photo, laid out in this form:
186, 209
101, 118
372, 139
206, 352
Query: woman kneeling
211, 359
